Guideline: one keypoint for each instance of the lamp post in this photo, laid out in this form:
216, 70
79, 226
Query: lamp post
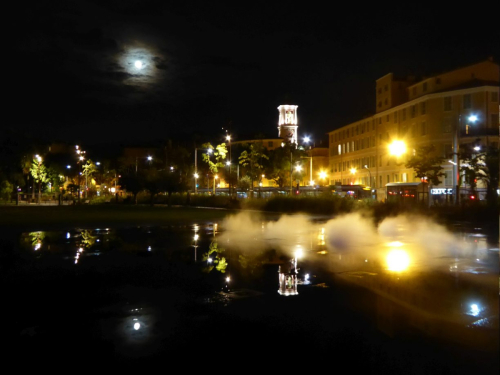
370, 174
456, 158
39, 159
145, 157
353, 172
322, 175
228, 139
196, 175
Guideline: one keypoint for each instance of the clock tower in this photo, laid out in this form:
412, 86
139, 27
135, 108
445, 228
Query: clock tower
287, 124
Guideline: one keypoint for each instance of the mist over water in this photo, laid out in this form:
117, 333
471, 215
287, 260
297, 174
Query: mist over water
426, 241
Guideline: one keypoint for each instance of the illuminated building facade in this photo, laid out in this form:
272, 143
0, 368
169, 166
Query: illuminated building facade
435, 110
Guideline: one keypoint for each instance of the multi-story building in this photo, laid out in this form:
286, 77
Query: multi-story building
449, 110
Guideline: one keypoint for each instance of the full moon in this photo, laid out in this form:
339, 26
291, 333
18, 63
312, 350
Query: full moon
138, 64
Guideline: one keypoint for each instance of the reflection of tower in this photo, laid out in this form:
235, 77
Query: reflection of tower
287, 124
288, 278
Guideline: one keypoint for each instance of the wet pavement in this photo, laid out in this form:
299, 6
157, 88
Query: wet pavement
137, 308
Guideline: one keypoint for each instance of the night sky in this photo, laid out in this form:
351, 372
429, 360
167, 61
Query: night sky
209, 67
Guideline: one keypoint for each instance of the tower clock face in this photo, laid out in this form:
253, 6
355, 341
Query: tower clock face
289, 133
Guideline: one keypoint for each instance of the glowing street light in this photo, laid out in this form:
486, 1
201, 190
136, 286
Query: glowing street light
138, 64
145, 157
397, 148
456, 147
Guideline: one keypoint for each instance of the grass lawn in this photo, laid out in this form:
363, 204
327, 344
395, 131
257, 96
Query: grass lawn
52, 217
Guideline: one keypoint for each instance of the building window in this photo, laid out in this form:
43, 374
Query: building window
380, 121
380, 90
387, 119
494, 96
447, 150
380, 104
447, 103
385, 101
404, 115
339, 150
424, 86
388, 178
423, 108
404, 177
494, 120
448, 181
270, 144
447, 125
438, 80
467, 101
395, 117
386, 87
413, 111
380, 181
413, 130
423, 128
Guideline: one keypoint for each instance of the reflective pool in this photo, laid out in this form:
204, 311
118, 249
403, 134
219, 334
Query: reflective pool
404, 292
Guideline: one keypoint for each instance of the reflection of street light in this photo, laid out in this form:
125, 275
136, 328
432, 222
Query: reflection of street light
215, 178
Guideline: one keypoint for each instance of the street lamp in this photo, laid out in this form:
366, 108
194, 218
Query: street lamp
370, 174
322, 175
353, 172
196, 182
456, 159
39, 159
145, 157
209, 151
397, 148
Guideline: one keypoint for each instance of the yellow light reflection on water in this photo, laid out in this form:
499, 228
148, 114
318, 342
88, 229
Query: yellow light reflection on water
397, 260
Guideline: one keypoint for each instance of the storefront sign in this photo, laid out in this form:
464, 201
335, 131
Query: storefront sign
441, 191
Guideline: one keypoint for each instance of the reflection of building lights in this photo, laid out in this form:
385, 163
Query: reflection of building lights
397, 260
322, 252
395, 244
299, 253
